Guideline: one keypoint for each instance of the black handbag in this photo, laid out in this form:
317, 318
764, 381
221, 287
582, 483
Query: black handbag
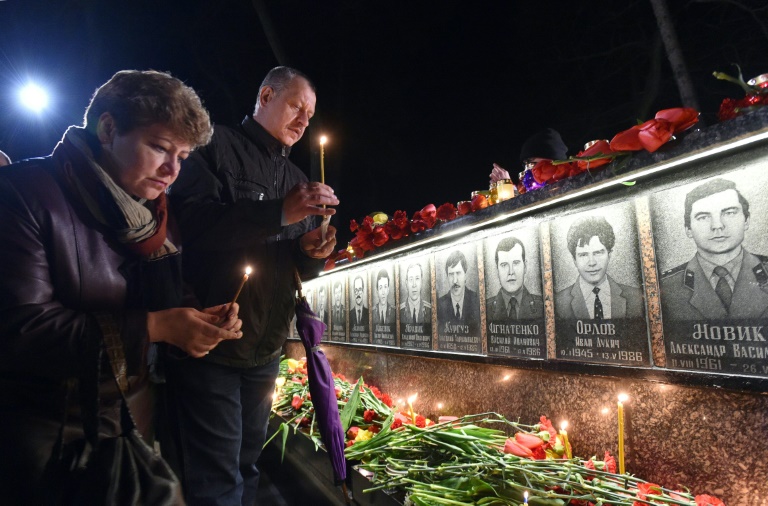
122, 470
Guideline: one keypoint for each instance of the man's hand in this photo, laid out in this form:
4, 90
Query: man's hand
498, 173
307, 199
312, 243
195, 332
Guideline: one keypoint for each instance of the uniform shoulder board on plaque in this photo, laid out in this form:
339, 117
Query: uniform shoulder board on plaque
760, 275
402, 305
673, 271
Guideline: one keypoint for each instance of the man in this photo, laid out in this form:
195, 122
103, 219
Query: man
723, 279
322, 308
415, 309
513, 301
358, 315
460, 305
338, 306
544, 145
241, 202
595, 295
383, 312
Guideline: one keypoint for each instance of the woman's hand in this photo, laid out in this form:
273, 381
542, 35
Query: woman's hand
195, 332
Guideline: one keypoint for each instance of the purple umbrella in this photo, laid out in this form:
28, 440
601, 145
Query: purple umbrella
322, 389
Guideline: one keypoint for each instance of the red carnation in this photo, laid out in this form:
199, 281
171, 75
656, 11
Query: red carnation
369, 415
386, 400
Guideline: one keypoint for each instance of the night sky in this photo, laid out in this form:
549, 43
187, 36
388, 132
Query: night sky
418, 98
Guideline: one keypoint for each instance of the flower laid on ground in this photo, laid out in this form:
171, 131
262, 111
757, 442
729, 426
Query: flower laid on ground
756, 95
466, 460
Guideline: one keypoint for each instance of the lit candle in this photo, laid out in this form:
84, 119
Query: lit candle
622, 399
323, 140
564, 435
410, 408
525, 497
242, 284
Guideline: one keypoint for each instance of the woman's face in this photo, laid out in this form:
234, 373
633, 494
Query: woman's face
148, 159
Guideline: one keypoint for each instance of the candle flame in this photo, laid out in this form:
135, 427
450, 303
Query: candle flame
506, 377
412, 398
564, 425
623, 398
525, 494
248, 271
323, 140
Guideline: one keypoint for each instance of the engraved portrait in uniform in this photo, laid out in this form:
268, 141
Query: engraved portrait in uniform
599, 302
458, 302
384, 312
415, 303
359, 321
514, 305
711, 252
338, 308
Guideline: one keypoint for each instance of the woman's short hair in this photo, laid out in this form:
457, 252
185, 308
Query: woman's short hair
137, 98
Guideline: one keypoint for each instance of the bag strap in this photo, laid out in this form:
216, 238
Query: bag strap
116, 353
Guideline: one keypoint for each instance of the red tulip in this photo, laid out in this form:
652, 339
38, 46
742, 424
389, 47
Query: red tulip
515, 449
297, 402
681, 118
528, 440
654, 133
464, 207
627, 140
598, 148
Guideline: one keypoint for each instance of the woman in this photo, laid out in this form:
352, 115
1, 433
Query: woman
87, 250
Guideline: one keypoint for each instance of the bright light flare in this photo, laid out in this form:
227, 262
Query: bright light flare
323, 140
33, 97
564, 425
623, 398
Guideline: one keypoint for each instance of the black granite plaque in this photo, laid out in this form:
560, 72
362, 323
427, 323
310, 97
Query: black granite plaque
711, 250
359, 316
458, 302
599, 305
514, 311
338, 284
415, 303
383, 309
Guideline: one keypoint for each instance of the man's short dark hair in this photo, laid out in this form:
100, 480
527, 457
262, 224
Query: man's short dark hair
454, 258
337, 285
279, 78
584, 229
355, 281
507, 244
710, 188
383, 274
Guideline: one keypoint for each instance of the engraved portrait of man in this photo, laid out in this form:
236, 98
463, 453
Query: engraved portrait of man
513, 301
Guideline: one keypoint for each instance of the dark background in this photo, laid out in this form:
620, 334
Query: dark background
418, 98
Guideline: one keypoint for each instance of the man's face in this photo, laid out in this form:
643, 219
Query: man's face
511, 269
321, 299
456, 278
413, 280
286, 116
718, 223
337, 296
358, 289
592, 261
382, 288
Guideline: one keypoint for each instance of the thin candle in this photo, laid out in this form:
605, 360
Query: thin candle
323, 140
622, 399
410, 408
525, 497
564, 435
242, 284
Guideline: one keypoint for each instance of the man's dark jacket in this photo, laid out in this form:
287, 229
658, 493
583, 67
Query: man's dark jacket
228, 200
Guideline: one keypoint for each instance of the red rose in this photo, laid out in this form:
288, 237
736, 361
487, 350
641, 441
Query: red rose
654, 133
708, 500
479, 202
682, 118
600, 147
369, 415
297, 402
515, 449
446, 212
464, 207
627, 140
